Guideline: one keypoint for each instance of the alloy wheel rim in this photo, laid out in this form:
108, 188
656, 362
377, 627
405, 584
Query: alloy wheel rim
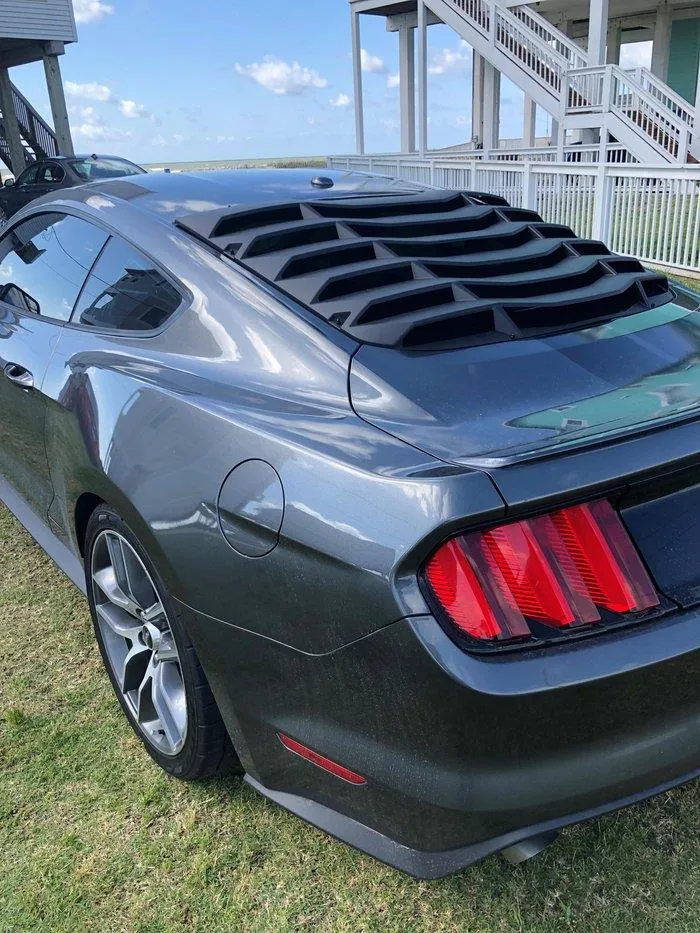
139, 642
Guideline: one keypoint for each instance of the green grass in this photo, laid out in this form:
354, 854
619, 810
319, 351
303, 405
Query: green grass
93, 837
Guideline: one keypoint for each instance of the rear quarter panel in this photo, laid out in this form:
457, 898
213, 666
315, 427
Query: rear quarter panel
154, 425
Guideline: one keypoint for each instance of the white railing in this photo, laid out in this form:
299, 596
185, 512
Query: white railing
554, 38
657, 114
651, 212
537, 47
665, 95
584, 90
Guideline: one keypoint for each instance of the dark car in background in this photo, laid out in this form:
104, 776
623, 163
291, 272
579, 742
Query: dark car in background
49, 175
385, 496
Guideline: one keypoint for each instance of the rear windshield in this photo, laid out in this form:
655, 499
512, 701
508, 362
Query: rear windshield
94, 169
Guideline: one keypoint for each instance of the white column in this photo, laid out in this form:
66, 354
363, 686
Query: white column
12, 134
422, 79
614, 43
59, 112
529, 123
407, 89
696, 126
357, 83
492, 105
662, 42
597, 32
477, 98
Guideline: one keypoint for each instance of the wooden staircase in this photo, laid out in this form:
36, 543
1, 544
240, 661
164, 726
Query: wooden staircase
635, 107
38, 138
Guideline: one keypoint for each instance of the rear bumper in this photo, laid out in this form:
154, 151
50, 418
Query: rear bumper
463, 756
432, 865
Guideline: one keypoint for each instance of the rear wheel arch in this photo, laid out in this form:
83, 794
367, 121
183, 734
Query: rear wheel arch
84, 507
88, 502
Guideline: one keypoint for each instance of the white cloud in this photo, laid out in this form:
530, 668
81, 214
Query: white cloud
393, 80
95, 129
132, 110
225, 139
178, 138
159, 140
281, 77
372, 63
342, 100
451, 61
91, 11
89, 91
99, 131
635, 55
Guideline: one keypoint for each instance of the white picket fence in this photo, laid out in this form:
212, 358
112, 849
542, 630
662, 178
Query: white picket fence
651, 212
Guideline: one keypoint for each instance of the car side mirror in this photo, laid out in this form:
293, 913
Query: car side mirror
8, 183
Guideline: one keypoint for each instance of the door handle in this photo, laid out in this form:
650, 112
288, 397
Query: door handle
19, 375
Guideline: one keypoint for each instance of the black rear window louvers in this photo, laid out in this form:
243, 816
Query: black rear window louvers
432, 270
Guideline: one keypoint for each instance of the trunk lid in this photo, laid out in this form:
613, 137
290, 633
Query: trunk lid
505, 403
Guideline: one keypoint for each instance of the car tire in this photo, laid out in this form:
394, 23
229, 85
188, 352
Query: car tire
149, 657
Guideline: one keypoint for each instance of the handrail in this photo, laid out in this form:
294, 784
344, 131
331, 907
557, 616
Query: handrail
576, 54
664, 93
639, 98
35, 130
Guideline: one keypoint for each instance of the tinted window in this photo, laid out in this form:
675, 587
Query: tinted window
44, 262
92, 169
28, 177
51, 174
125, 291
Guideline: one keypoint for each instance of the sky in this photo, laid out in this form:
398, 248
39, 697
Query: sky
232, 80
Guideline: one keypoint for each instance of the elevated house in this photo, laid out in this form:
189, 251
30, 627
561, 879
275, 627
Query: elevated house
565, 57
633, 135
33, 31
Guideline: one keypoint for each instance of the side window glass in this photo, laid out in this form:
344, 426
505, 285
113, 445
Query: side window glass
28, 177
44, 262
126, 291
52, 174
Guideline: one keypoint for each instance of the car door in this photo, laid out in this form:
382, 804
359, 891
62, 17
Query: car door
23, 191
44, 261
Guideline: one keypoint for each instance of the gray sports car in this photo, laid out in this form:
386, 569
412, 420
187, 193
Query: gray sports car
381, 495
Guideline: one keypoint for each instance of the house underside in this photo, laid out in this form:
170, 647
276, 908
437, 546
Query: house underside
32, 31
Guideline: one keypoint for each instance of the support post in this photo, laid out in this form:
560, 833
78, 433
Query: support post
529, 123
492, 106
407, 88
601, 210
477, 99
357, 83
59, 112
614, 43
661, 46
597, 32
529, 192
422, 79
18, 161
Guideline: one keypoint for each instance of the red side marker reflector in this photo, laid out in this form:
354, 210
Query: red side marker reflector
321, 761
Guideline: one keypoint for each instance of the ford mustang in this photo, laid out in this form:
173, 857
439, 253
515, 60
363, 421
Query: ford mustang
384, 496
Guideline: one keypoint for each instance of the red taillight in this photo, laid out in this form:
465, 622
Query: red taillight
557, 569
320, 760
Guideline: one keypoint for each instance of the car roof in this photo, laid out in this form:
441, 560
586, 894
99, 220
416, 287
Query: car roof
82, 155
169, 195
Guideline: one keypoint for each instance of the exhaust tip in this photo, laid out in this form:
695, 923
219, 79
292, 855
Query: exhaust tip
528, 848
